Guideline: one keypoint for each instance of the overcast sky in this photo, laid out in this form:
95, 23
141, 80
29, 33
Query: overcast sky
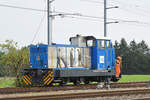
21, 25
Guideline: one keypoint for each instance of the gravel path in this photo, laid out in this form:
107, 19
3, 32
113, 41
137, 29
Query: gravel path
131, 97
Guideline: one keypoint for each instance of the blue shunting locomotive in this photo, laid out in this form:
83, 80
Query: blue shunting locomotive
86, 59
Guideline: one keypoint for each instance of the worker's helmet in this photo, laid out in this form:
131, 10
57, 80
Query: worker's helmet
118, 58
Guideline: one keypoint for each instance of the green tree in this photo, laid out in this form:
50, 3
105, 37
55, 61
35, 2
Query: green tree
15, 60
143, 47
117, 48
124, 52
136, 57
2, 69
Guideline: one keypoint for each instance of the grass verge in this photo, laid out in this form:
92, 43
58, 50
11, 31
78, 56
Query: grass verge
134, 78
7, 82
10, 82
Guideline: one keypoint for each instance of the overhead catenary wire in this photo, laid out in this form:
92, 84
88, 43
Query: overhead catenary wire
73, 14
93, 1
38, 29
129, 8
98, 18
135, 13
23, 8
40, 10
39, 26
125, 9
87, 19
96, 2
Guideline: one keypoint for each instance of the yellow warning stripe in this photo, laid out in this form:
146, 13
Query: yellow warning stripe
27, 80
50, 81
44, 76
30, 78
47, 80
49, 75
27, 77
49, 72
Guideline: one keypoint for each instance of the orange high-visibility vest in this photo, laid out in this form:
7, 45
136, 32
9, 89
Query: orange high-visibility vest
118, 65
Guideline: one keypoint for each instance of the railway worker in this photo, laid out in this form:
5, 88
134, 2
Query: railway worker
118, 66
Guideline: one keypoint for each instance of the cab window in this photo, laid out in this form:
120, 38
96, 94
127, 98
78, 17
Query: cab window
108, 44
101, 44
91, 43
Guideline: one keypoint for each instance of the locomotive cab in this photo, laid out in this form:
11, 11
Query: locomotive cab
102, 54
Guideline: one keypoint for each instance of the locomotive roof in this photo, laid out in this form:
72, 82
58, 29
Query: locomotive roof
91, 37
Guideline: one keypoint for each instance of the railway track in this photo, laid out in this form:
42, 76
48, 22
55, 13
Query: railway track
82, 95
71, 87
143, 99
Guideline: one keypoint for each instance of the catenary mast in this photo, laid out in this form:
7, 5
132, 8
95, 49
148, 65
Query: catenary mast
49, 21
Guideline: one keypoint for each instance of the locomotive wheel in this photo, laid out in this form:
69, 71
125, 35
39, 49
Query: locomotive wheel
86, 82
107, 82
115, 80
62, 83
76, 82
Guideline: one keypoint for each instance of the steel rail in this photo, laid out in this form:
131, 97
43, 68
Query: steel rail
71, 87
148, 98
82, 95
